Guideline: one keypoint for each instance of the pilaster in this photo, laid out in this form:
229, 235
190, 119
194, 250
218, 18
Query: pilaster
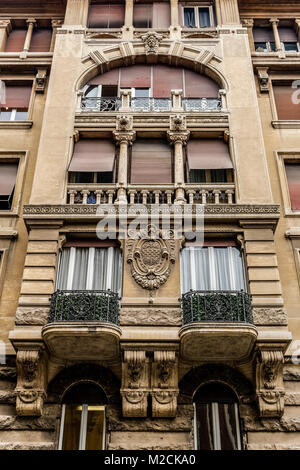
228, 12
5, 28
77, 12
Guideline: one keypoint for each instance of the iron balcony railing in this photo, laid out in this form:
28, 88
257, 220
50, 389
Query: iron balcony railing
84, 305
101, 104
151, 104
201, 104
216, 306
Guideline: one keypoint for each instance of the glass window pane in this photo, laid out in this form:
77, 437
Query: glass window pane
273, 46
92, 91
291, 46
189, 17
21, 116
80, 269
142, 92
204, 427
84, 177
218, 176
228, 427
222, 269
95, 428
261, 47
100, 269
197, 176
105, 177
71, 427
204, 18
5, 115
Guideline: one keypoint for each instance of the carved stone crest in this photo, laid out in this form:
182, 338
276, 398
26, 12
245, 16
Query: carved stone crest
151, 42
151, 258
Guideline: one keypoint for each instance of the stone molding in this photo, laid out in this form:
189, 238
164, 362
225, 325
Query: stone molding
150, 316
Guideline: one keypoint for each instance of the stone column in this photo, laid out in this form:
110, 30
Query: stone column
274, 22
227, 12
5, 28
77, 12
31, 22
55, 25
179, 139
174, 13
248, 23
124, 139
128, 22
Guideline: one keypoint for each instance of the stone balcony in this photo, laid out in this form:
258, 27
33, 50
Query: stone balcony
201, 193
83, 325
217, 326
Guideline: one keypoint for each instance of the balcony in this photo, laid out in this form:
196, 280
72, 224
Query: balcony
217, 326
82, 325
145, 104
201, 193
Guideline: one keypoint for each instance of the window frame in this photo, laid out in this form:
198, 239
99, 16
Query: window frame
83, 426
20, 158
196, 8
283, 157
28, 120
276, 122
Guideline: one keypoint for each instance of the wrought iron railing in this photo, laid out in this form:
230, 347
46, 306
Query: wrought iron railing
216, 306
84, 305
151, 104
101, 104
201, 104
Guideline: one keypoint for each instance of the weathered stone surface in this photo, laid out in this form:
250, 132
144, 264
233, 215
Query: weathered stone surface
32, 316
271, 447
272, 425
18, 423
8, 373
26, 446
7, 397
182, 422
150, 316
145, 447
291, 373
292, 399
269, 316
150, 441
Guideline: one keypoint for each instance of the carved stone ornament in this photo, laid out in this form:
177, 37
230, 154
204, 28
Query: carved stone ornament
177, 122
164, 384
135, 384
124, 123
40, 80
151, 41
151, 258
164, 403
269, 383
263, 78
31, 383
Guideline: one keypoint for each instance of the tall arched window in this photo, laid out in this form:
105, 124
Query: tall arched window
83, 418
217, 423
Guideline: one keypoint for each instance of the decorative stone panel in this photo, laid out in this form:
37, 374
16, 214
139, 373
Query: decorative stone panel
31, 384
269, 381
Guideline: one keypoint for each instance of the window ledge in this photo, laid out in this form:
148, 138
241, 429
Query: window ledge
16, 124
8, 234
286, 124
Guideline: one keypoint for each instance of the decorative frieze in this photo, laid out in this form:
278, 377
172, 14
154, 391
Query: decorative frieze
269, 381
31, 385
150, 316
32, 315
269, 316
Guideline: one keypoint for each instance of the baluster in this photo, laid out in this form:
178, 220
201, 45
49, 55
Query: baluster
204, 195
217, 193
110, 193
132, 194
230, 194
72, 193
156, 196
85, 193
191, 194
145, 195
98, 196
169, 194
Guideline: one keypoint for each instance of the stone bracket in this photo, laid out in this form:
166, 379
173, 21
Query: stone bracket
263, 79
135, 384
40, 80
269, 380
164, 382
32, 378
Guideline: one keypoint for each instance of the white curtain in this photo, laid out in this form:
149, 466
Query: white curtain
212, 268
90, 269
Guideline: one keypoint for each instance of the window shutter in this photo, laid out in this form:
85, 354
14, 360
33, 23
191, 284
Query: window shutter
8, 175
98, 16
286, 109
287, 34
15, 41
116, 16
293, 178
199, 86
165, 79
41, 40
151, 162
93, 155
108, 78
161, 15
136, 76
142, 15
208, 154
263, 34
16, 96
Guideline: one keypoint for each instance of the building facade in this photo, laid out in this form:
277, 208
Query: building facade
119, 330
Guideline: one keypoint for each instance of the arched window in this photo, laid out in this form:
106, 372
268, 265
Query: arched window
83, 418
217, 423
